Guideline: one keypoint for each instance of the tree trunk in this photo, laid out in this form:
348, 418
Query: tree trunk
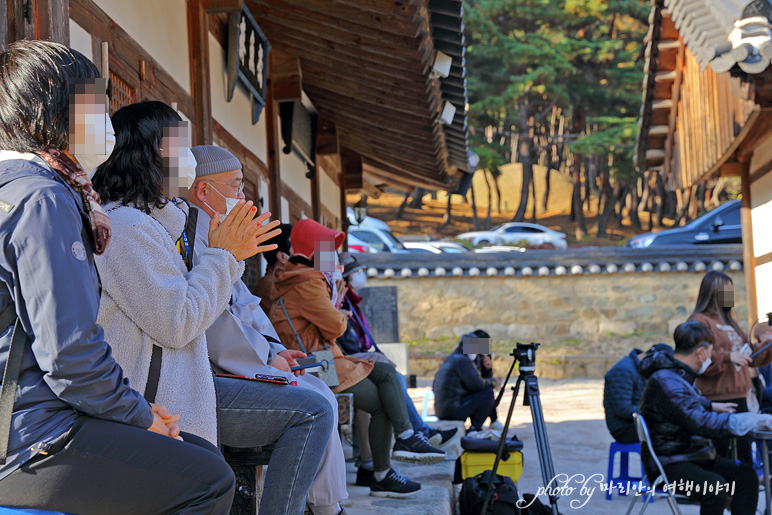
490, 201
533, 199
576, 197
525, 157
498, 192
418, 198
661, 193
401, 208
701, 199
608, 205
448, 216
475, 219
632, 212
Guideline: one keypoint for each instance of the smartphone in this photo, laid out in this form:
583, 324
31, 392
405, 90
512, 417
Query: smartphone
259, 377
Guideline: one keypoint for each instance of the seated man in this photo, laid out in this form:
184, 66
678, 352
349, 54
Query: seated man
242, 340
459, 391
678, 416
622, 389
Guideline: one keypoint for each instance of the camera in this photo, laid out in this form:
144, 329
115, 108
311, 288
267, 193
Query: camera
525, 355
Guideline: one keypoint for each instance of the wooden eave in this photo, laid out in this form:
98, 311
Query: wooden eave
366, 67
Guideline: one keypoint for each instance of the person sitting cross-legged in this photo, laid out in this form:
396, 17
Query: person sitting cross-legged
681, 423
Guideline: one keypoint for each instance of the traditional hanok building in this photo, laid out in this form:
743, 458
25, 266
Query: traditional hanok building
316, 97
707, 113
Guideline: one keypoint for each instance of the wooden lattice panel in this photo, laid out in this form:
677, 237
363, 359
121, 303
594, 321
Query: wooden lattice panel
123, 93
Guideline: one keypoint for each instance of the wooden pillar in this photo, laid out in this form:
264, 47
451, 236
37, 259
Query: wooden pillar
272, 143
200, 88
316, 207
749, 258
343, 214
52, 20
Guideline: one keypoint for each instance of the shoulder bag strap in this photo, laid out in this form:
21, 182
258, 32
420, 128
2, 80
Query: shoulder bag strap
10, 375
364, 327
297, 336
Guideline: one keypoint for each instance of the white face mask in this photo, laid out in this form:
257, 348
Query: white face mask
472, 356
358, 279
230, 203
337, 274
704, 366
89, 163
189, 169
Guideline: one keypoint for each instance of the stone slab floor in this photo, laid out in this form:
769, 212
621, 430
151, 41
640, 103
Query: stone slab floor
579, 442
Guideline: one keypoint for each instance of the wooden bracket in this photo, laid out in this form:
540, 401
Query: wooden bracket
327, 142
351, 168
286, 77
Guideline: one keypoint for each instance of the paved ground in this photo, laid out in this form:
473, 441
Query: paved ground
579, 441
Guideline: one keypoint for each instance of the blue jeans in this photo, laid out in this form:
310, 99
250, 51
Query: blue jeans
298, 421
415, 419
476, 406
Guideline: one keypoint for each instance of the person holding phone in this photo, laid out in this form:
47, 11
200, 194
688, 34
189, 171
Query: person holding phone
158, 301
727, 378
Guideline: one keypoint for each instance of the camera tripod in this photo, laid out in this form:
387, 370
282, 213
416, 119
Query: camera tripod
525, 354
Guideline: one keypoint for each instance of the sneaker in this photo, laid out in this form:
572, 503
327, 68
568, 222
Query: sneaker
498, 426
394, 485
364, 477
417, 450
437, 437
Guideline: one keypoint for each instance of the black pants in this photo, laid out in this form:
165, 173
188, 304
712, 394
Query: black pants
722, 471
628, 434
106, 467
743, 444
477, 406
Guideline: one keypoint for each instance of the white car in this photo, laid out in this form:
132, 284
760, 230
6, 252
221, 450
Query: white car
516, 232
356, 245
435, 247
498, 248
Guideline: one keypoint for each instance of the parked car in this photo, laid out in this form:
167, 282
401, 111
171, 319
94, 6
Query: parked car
721, 225
498, 248
516, 232
435, 247
376, 233
357, 245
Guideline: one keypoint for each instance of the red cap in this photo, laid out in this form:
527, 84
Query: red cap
309, 235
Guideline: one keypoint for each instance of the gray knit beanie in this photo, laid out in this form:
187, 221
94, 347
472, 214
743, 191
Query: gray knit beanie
211, 159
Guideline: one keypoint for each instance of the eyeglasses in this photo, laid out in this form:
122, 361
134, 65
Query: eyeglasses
239, 188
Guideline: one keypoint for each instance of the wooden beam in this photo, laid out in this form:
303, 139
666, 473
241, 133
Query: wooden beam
734, 169
316, 204
326, 138
675, 97
287, 77
272, 145
52, 20
749, 259
351, 168
221, 6
343, 213
200, 89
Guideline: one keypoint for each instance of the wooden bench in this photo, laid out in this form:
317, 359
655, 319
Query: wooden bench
244, 462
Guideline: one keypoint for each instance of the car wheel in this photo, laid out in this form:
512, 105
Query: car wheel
483, 243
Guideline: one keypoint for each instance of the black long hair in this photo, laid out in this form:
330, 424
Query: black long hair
35, 78
707, 299
133, 173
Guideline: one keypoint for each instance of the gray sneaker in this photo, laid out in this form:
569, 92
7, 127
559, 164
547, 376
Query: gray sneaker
394, 485
416, 449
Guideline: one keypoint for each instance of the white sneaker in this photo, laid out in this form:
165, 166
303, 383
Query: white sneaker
498, 426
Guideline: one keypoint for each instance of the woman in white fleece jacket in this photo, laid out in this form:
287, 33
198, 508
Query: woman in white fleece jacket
149, 298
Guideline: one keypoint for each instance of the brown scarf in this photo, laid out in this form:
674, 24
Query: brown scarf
78, 180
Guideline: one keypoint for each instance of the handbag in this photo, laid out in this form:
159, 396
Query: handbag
349, 341
701, 451
327, 372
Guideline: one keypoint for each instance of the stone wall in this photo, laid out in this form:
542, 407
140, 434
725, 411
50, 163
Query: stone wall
551, 308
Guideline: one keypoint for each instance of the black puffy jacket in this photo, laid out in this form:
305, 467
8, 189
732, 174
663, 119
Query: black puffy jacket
674, 410
622, 389
457, 377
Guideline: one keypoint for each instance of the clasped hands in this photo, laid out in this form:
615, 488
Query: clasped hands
165, 423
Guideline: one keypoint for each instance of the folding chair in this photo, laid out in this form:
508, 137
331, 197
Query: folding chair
651, 490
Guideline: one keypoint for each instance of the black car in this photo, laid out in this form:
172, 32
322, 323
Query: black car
722, 225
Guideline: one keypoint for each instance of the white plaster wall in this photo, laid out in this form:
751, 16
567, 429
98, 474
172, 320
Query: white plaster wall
762, 154
293, 172
80, 40
160, 27
235, 116
763, 292
761, 215
285, 211
329, 193
265, 195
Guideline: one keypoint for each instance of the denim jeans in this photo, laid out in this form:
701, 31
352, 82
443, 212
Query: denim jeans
415, 419
297, 420
477, 406
103, 467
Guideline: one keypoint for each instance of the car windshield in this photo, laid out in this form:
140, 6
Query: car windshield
394, 239
725, 214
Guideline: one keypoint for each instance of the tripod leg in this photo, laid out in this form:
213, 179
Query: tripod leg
489, 491
540, 433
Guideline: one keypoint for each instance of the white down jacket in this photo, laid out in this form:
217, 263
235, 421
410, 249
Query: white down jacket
150, 298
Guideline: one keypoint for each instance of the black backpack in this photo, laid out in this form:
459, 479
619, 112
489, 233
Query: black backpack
503, 499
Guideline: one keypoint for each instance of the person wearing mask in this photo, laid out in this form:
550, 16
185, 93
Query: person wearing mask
81, 439
484, 364
681, 423
242, 341
459, 391
622, 389
157, 304
275, 260
305, 317
728, 378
